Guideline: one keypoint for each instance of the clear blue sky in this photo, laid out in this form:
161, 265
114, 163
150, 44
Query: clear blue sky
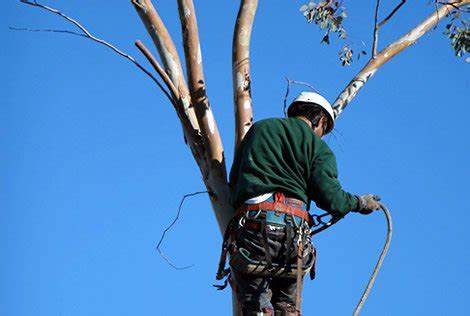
93, 165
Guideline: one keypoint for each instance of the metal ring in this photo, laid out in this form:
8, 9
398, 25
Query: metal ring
241, 222
247, 215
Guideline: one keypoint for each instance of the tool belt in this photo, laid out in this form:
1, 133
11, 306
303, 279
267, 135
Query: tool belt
277, 207
282, 212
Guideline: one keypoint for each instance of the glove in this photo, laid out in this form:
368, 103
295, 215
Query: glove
368, 203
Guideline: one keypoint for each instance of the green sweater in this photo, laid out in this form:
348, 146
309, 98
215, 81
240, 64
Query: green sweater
285, 155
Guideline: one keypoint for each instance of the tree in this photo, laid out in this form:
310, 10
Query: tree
190, 100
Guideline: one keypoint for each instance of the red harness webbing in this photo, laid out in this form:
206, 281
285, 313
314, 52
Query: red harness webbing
274, 206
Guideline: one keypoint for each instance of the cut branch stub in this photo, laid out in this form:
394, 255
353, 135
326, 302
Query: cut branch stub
241, 69
391, 51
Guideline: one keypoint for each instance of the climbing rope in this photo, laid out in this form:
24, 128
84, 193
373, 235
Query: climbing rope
379, 262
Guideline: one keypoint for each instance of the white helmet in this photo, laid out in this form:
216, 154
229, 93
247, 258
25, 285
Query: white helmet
315, 98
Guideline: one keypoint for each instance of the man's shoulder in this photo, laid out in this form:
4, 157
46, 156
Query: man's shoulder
277, 121
269, 121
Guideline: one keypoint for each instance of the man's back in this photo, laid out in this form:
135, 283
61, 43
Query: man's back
285, 155
275, 155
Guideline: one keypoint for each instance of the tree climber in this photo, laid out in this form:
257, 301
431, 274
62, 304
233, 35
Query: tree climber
280, 166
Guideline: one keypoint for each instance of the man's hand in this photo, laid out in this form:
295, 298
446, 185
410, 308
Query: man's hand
367, 203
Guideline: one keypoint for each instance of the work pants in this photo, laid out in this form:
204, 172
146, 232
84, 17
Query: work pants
262, 293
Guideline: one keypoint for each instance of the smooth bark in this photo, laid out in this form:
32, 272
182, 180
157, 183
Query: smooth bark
391, 51
241, 69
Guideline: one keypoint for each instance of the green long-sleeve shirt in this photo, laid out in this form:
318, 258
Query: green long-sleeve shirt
285, 155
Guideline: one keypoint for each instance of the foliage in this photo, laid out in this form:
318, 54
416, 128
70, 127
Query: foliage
329, 15
457, 30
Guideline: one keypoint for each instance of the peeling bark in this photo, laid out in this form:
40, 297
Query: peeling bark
213, 169
391, 51
241, 69
196, 81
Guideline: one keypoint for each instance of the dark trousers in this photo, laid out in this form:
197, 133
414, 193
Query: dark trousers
261, 293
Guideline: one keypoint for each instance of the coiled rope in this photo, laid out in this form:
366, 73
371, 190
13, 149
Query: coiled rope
379, 262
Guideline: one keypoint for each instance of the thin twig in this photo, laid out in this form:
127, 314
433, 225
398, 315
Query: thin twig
88, 35
169, 227
12, 28
376, 30
289, 82
395, 10
454, 6
286, 96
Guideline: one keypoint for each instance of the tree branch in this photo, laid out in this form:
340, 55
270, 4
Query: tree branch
87, 34
170, 59
12, 28
376, 30
156, 65
197, 86
395, 10
454, 6
214, 174
388, 53
241, 69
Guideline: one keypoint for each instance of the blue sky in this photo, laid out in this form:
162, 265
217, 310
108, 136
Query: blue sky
93, 165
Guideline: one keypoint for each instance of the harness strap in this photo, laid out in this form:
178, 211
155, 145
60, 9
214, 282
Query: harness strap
300, 254
264, 233
289, 233
275, 206
278, 206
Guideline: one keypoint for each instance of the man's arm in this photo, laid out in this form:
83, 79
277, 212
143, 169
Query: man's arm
324, 187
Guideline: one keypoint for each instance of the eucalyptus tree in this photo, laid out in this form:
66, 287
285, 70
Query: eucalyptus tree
188, 94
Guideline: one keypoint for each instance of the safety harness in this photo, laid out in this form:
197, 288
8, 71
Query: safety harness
289, 212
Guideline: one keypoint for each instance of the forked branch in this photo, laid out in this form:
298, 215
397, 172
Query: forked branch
376, 29
378, 25
200, 129
156, 65
391, 51
170, 59
241, 69
395, 10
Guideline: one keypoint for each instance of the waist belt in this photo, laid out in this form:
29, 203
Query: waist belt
276, 207
277, 204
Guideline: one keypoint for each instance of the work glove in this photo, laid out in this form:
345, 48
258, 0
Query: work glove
368, 203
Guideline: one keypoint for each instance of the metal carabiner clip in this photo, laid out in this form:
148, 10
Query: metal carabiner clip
248, 216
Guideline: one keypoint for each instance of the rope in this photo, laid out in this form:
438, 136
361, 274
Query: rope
379, 262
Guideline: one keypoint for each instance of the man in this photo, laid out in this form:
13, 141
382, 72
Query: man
282, 165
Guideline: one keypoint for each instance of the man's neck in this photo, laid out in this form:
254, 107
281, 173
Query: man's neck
317, 130
303, 118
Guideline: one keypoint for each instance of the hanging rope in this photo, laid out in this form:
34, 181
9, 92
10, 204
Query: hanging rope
379, 262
